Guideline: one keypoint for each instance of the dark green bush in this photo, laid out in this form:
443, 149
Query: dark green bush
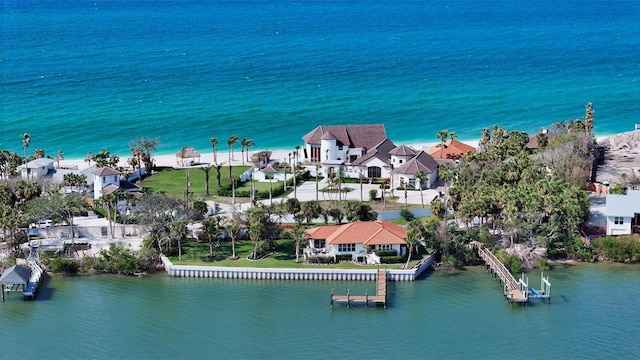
62, 265
344, 257
392, 259
386, 252
407, 215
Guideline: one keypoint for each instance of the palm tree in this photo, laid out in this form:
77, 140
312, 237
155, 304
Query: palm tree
206, 170
297, 154
178, 231
243, 144
110, 203
90, 157
421, 176
298, 234
59, 156
295, 192
218, 167
414, 234
214, 144
232, 140
442, 135
26, 139
247, 144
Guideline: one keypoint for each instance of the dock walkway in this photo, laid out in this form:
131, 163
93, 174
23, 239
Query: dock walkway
36, 275
379, 298
514, 291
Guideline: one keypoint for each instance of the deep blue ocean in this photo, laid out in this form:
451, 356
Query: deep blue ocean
83, 75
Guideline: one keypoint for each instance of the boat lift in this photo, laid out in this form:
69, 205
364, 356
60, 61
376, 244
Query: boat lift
545, 289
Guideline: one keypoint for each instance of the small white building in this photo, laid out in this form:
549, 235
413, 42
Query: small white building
102, 177
37, 168
622, 212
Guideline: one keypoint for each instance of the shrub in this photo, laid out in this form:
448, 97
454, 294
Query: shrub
344, 257
407, 215
373, 193
386, 252
62, 265
392, 259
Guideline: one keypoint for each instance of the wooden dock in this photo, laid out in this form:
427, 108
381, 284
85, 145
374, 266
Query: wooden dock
379, 298
514, 291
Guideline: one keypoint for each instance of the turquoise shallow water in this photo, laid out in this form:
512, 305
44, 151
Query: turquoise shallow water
82, 75
452, 315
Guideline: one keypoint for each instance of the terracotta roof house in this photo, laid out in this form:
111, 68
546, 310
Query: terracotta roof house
187, 156
407, 171
623, 213
336, 142
453, 149
532, 144
358, 239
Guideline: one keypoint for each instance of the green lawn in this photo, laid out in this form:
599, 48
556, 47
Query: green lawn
194, 253
174, 181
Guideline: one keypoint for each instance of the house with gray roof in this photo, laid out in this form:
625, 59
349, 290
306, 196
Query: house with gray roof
622, 212
343, 143
406, 173
375, 163
37, 168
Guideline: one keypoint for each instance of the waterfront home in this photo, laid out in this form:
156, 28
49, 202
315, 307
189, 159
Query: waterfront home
37, 168
339, 144
623, 212
406, 173
358, 240
376, 162
453, 149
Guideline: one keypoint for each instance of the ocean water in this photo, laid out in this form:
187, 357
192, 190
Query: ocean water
83, 75
446, 315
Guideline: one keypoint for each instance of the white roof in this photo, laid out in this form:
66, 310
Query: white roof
33, 164
623, 205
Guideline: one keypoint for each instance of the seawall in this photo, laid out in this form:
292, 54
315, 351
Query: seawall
293, 274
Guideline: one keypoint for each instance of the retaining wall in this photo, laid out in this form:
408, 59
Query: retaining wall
291, 274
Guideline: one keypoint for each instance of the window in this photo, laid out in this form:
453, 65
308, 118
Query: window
384, 247
618, 220
346, 247
319, 244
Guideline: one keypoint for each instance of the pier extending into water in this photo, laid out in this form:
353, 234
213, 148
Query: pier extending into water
19, 277
514, 291
379, 298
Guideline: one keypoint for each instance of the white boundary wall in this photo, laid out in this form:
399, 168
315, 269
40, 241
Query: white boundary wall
291, 274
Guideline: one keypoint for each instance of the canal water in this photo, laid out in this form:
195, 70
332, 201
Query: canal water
448, 314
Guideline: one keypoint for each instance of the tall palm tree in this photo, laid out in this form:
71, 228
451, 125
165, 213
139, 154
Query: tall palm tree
243, 144
90, 157
249, 144
421, 176
415, 233
232, 140
588, 118
297, 154
214, 147
26, 139
442, 135
59, 156
206, 170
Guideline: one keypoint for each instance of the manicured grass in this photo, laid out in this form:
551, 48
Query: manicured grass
194, 253
174, 181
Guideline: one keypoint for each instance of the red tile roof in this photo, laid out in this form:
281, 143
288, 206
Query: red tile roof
453, 149
377, 232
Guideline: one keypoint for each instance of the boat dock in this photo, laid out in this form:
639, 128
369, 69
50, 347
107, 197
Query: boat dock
23, 278
379, 298
514, 291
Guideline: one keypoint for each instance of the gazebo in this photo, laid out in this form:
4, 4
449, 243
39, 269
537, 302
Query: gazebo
14, 278
187, 155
